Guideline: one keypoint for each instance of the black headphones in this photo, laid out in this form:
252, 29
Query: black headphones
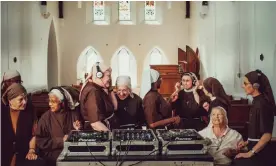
99, 73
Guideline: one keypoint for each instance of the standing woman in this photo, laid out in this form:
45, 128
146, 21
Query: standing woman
158, 112
189, 103
17, 127
215, 91
261, 120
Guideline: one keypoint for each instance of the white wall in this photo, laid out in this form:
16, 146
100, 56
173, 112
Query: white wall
26, 35
231, 38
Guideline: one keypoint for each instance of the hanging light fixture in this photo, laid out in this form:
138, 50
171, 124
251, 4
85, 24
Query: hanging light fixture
43, 9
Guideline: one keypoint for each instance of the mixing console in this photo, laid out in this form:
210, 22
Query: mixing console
134, 135
179, 135
88, 136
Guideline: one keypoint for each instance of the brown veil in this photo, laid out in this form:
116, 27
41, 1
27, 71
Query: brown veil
214, 87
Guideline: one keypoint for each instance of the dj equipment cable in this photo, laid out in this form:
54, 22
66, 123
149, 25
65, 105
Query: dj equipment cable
119, 152
93, 155
128, 147
151, 153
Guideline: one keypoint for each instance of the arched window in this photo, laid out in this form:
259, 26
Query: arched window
123, 62
86, 60
155, 57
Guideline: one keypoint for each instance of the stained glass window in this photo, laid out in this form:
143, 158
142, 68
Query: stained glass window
150, 10
99, 11
124, 10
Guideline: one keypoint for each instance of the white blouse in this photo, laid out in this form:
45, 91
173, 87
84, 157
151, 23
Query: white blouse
219, 145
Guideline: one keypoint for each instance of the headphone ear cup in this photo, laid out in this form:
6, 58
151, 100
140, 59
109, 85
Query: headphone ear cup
99, 75
256, 86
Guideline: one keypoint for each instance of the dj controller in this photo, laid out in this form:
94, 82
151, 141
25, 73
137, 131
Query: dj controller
86, 142
181, 141
134, 142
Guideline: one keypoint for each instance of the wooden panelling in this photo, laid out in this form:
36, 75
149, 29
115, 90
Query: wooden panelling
170, 75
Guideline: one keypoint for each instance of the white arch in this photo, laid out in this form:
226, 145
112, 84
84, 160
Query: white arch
155, 56
88, 57
124, 65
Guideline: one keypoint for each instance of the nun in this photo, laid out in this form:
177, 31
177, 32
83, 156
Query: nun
261, 120
17, 126
10, 77
130, 111
158, 112
188, 104
97, 101
215, 91
55, 124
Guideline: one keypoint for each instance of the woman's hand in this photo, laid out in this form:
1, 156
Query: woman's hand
241, 145
31, 155
230, 153
177, 86
244, 155
176, 120
77, 125
65, 138
206, 106
174, 97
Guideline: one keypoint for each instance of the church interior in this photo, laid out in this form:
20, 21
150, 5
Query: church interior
56, 43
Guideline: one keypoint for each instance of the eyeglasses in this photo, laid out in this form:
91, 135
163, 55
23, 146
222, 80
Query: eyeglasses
53, 101
122, 91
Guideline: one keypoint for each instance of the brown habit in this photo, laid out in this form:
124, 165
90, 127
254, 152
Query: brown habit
156, 107
50, 131
96, 105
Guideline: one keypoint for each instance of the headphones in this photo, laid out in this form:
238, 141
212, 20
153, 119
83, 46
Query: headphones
99, 73
193, 77
257, 85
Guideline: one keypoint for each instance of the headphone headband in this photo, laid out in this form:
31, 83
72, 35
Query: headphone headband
99, 73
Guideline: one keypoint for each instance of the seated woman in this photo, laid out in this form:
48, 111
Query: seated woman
261, 120
213, 89
157, 110
189, 103
55, 124
17, 127
130, 110
224, 140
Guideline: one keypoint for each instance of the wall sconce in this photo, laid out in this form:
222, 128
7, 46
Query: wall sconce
204, 9
43, 9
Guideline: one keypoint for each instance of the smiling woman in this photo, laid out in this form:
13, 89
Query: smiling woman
130, 110
224, 140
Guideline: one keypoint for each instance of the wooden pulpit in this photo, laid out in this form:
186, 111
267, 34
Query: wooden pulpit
188, 61
170, 75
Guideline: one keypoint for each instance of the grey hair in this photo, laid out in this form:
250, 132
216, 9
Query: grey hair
223, 112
